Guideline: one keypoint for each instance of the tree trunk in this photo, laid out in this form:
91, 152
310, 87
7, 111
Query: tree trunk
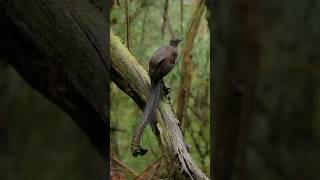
59, 47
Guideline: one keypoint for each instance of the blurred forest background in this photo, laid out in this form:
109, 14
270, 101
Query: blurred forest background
266, 103
38, 140
151, 24
267, 100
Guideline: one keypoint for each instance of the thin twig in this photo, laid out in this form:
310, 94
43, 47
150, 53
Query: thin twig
128, 23
153, 167
120, 163
181, 17
144, 26
164, 16
169, 27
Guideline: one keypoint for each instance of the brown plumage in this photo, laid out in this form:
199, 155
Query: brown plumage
161, 63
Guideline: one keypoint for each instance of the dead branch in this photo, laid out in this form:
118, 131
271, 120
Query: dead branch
151, 172
125, 167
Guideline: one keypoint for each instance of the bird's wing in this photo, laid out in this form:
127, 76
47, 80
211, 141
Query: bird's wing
158, 56
162, 61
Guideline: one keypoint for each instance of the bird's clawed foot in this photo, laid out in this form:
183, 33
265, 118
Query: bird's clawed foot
188, 146
166, 90
138, 151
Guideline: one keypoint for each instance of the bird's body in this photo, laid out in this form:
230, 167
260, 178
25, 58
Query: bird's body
161, 63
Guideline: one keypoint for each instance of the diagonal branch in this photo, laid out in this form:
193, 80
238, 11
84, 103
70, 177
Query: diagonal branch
152, 171
133, 79
125, 167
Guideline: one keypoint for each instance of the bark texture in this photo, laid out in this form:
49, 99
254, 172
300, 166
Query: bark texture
59, 47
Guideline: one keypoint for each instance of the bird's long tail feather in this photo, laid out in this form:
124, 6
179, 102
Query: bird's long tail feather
148, 114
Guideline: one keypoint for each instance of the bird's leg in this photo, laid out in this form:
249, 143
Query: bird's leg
165, 89
188, 146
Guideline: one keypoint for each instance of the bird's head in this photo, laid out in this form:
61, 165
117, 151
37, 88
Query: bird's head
175, 41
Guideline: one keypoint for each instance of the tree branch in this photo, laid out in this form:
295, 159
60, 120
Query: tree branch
125, 167
181, 17
133, 79
127, 23
186, 74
